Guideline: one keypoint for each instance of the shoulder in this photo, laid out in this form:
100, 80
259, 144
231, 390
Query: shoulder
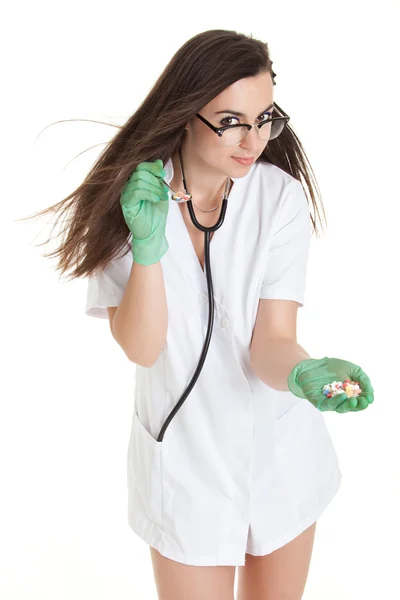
116, 271
275, 176
272, 189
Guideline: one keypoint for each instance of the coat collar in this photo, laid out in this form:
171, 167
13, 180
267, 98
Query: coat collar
182, 255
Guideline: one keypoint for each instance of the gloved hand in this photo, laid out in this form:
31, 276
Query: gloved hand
307, 378
144, 203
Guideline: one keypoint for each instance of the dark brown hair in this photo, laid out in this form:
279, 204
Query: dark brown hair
202, 68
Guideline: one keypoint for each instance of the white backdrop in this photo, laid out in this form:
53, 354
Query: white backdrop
67, 397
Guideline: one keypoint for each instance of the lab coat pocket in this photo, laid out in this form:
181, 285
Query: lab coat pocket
285, 402
304, 453
144, 475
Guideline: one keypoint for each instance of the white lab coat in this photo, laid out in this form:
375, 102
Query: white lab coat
242, 467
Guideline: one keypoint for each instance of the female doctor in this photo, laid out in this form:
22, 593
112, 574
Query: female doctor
246, 466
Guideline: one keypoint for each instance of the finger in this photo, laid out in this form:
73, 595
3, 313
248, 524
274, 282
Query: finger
367, 390
338, 400
155, 168
362, 404
147, 195
325, 406
369, 397
135, 194
138, 177
333, 402
165, 187
364, 381
347, 405
143, 182
342, 408
127, 201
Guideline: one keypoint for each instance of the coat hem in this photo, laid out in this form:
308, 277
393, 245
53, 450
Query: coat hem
155, 537
305, 524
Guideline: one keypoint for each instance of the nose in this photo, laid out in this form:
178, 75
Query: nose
251, 139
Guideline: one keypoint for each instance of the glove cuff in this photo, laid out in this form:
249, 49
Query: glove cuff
149, 251
292, 381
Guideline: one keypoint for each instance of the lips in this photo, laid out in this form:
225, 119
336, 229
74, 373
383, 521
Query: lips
244, 161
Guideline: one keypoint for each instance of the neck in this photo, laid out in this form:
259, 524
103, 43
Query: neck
206, 184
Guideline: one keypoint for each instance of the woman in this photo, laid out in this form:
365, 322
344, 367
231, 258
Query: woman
246, 466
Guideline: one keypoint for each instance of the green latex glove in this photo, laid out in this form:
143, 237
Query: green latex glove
144, 203
308, 377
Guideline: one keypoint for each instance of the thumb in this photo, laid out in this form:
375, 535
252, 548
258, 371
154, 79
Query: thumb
160, 167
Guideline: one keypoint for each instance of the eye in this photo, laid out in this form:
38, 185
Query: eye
265, 116
223, 121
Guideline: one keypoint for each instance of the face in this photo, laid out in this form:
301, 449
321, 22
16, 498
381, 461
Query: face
250, 96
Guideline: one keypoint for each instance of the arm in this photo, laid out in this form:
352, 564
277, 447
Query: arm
278, 358
274, 350
140, 322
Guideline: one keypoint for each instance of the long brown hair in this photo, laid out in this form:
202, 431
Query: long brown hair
201, 69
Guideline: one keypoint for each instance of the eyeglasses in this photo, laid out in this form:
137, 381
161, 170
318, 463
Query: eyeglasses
269, 129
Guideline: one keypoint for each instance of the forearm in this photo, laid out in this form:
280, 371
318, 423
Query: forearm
140, 322
276, 360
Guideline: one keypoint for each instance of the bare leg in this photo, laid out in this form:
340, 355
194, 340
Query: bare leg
281, 575
176, 581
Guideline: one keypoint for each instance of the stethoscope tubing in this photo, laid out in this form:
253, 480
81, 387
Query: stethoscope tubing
211, 305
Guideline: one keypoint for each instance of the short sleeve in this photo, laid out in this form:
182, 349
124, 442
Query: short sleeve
286, 268
107, 287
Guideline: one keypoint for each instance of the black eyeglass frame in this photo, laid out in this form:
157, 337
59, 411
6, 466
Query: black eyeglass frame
220, 130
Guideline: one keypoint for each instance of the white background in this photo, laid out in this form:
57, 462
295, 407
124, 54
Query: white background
67, 397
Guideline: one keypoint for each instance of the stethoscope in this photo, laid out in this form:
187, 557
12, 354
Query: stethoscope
211, 302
